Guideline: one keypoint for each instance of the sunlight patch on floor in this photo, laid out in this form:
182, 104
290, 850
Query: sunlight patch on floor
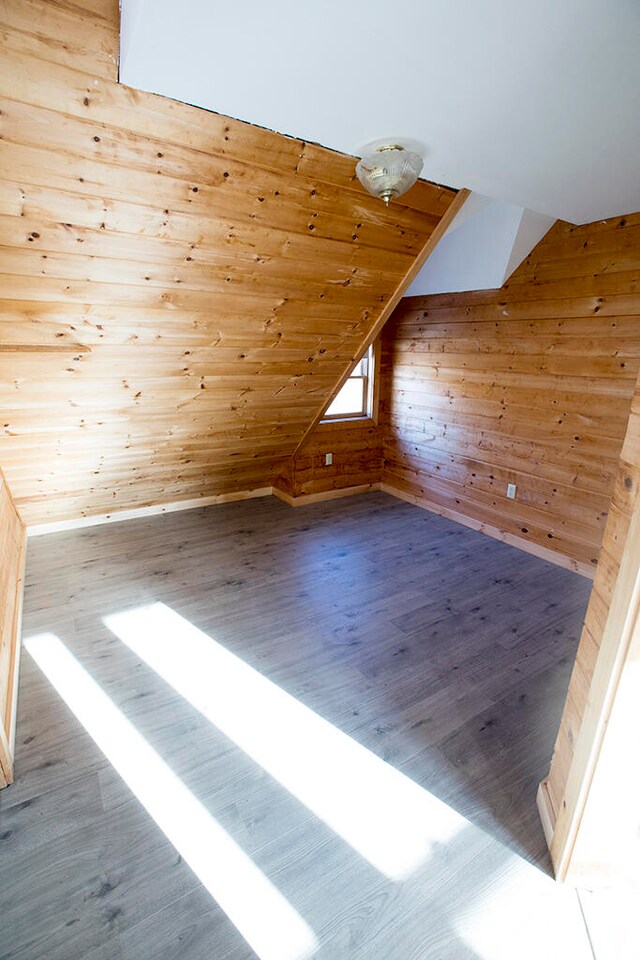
382, 814
265, 919
521, 902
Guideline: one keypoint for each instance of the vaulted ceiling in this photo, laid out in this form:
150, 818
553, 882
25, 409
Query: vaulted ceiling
180, 292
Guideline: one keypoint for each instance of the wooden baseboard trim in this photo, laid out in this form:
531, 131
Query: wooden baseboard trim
568, 563
6, 760
545, 809
57, 526
39, 529
14, 664
308, 498
8, 720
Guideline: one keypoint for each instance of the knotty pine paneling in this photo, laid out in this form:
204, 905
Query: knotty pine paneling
356, 446
12, 541
179, 292
530, 384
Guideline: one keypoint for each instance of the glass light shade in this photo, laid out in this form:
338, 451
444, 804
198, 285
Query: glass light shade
389, 171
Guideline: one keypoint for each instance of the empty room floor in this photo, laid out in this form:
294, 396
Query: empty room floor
255, 730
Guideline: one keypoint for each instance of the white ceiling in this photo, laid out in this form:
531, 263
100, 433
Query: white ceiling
532, 103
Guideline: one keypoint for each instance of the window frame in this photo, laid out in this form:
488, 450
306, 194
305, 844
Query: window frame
369, 409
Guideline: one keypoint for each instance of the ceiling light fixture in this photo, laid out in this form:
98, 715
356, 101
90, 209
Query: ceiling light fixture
388, 170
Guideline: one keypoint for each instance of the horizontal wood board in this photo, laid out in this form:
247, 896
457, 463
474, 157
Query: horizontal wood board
356, 449
530, 384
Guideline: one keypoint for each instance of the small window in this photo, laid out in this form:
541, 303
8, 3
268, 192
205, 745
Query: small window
355, 398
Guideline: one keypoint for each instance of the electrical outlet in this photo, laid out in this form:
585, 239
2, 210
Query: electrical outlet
511, 491
328, 459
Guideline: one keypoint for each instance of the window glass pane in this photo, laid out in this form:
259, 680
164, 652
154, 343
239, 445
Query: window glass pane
361, 368
350, 400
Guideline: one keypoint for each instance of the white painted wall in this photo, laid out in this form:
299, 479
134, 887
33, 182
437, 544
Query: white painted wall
532, 229
535, 104
482, 247
131, 19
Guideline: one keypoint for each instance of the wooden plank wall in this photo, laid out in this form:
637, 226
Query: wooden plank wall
12, 543
579, 849
530, 384
357, 460
180, 292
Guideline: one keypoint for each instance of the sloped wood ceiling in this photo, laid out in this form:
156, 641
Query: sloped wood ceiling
180, 291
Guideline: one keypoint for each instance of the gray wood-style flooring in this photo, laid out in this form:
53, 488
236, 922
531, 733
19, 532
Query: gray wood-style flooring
443, 652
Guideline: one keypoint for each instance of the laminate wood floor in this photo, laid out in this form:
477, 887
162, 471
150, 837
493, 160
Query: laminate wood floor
162, 772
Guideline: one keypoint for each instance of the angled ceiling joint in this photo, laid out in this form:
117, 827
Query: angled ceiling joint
421, 258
